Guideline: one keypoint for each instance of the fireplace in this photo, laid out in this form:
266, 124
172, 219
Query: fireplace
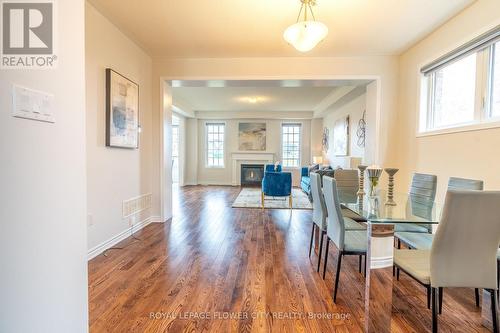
252, 174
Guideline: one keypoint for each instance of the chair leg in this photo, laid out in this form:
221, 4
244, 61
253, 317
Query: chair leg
290, 201
494, 310
441, 291
428, 297
476, 292
262, 199
321, 236
366, 263
312, 237
434, 310
399, 243
337, 277
360, 261
326, 256
397, 273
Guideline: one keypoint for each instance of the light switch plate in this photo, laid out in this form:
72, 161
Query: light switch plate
32, 104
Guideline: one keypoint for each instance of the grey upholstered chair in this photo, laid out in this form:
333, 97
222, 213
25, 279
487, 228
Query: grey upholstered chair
348, 242
422, 195
423, 241
319, 213
463, 254
348, 186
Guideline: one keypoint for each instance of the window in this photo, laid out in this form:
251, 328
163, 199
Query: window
463, 87
215, 145
291, 145
495, 82
453, 91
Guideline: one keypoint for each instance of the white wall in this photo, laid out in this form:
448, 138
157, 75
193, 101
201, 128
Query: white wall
43, 237
353, 108
467, 154
223, 176
114, 174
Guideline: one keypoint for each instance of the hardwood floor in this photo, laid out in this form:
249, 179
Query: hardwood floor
212, 261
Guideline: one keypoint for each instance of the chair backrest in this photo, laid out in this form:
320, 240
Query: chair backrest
464, 254
319, 207
422, 195
465, 184
273, 168
423, 187
335, 221
347, 184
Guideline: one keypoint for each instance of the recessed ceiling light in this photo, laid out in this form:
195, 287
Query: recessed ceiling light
252, 99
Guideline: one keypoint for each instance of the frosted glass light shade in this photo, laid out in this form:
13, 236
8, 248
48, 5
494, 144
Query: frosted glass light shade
305, 35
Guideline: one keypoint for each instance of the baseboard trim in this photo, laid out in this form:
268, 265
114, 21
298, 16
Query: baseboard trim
97, 250
215, 183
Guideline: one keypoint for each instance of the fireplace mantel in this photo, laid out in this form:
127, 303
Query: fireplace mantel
247, 157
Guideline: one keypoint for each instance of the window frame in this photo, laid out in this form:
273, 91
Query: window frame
282, 151
207, 165
482, 117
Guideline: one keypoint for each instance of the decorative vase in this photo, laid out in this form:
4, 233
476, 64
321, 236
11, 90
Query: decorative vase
362, 169
390, 191
374, 174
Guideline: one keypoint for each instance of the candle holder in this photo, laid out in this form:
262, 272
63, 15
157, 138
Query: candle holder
390, 191
362, 169
374, 174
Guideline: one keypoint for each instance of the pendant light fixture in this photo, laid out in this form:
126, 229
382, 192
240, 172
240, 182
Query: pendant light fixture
306, 34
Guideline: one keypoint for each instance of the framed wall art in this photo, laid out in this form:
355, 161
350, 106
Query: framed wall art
122, 111
341, 137
252, 136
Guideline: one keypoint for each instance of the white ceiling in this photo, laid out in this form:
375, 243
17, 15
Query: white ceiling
271, 99
249, 28
271, 96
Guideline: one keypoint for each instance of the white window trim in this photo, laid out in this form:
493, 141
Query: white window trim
482, 120
300, 143
207, 166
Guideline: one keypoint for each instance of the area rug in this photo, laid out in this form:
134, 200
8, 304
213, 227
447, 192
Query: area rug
251, 198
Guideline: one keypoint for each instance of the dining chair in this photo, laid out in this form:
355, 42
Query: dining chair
423, 241
422, 194
463, 254
320, 215
348, 242
348, 186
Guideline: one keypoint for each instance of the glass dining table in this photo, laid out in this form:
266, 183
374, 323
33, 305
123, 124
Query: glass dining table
383, 214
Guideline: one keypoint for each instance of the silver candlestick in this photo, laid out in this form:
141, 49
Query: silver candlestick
362, 169
390, 192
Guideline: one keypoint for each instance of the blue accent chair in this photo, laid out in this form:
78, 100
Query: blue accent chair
276, 183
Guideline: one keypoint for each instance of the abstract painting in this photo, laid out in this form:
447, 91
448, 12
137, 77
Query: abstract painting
341, 137
122, 111
252, 136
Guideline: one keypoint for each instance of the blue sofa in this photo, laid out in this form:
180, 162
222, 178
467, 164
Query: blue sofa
276, 183
305, 180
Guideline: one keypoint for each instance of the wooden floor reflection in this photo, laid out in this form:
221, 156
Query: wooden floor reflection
218, 269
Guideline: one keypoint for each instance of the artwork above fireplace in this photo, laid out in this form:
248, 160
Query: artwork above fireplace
252, 174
